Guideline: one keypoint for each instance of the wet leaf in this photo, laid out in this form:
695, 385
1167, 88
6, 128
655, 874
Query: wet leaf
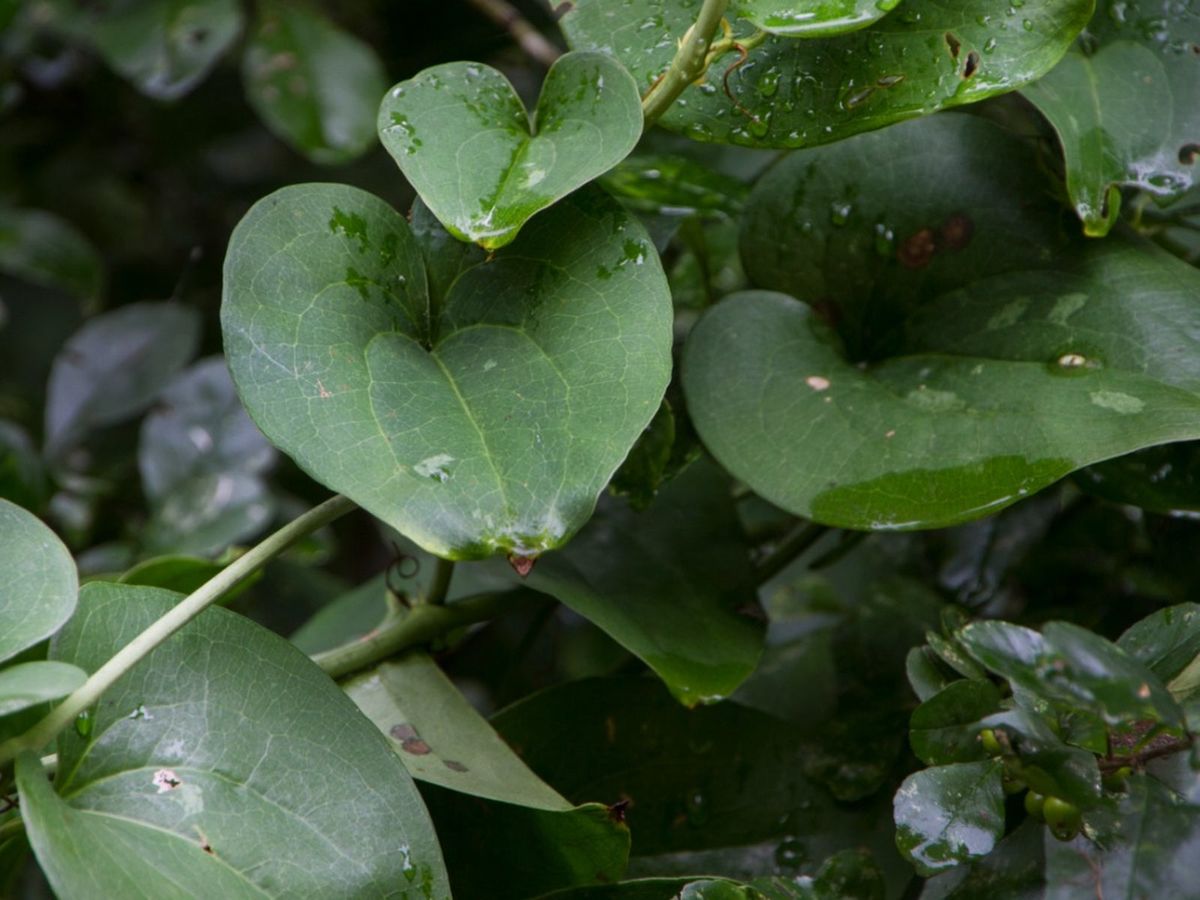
1167, 641
1126, 106
1013, 871
40, 583
164, 47
39, 247
315, 86
949, 814
490, 423
1152, 853
28, 684
939, 730
791, 93
113, 367
963, 407
795, 18
225, 757
482, 164
1047, 764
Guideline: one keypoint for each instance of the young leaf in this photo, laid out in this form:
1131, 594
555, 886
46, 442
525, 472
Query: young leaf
490, 422
313, 85
462, 138
40, 584
225, 746
925, 57
795, 18
114, 366
1127, 109
949, 814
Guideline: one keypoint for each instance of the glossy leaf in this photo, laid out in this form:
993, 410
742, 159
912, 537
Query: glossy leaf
1013, 871
463, 139
201, 459
949, 814
939, 730
228, 755
926, 56
1151, 854
28, 684
797, 18
673, 585
165, 47
1048, 765
491, 422
315, 86
1127, 107
40, 584
114, 366
42, 248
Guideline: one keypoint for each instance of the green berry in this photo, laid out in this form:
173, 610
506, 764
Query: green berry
990, 745
1034, 804
1012, 784
1063, 818
1115, 781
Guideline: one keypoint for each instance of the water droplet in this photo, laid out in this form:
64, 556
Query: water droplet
84, 723
840, 211
791, 853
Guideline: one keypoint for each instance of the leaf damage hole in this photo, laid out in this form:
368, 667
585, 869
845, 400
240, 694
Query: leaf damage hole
166, 780
954, 44
971, 66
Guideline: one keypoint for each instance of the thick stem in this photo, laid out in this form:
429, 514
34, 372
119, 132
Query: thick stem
527, 37
419, 625
441, 582
187, 609
689, 61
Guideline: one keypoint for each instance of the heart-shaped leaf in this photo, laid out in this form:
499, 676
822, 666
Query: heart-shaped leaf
961, 404
489, 422
40, 584
225, 756
804, 18
1127, 110
462, 137
312, 84
927, 55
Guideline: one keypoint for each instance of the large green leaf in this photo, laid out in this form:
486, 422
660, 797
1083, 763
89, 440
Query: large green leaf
461, 135
114, 366
442, 740
928, 55
806, 18
315, 86
42, 248
489, 422
949, 814
40, 584
165, 47
987, 393
227, 755
1126, 106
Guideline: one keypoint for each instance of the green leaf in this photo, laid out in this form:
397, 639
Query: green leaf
1166, 641
796, 18
673, 585
182, 574
1048, 765
1013, 871
949, 814
967, 411
313, 85
925, 676
345, 618
228, 755
201, 458
490, 423
445, 256
28, 684
463, 139
1151, 854
441, 738
113, 367
22, 473
1127, 108
39, 247
939, 730
1011, 651
40, 584
927, 56
165, 47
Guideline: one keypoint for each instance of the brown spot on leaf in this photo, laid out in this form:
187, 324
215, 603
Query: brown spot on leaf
403, 732
455, 766
1189, 153
416, 747
971, 66
917, 251
954, 44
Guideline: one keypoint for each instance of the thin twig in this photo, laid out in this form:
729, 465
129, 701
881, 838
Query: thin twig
527, 37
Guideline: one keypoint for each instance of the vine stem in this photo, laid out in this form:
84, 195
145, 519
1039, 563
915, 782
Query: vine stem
689, 62
187, 609
412, 627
